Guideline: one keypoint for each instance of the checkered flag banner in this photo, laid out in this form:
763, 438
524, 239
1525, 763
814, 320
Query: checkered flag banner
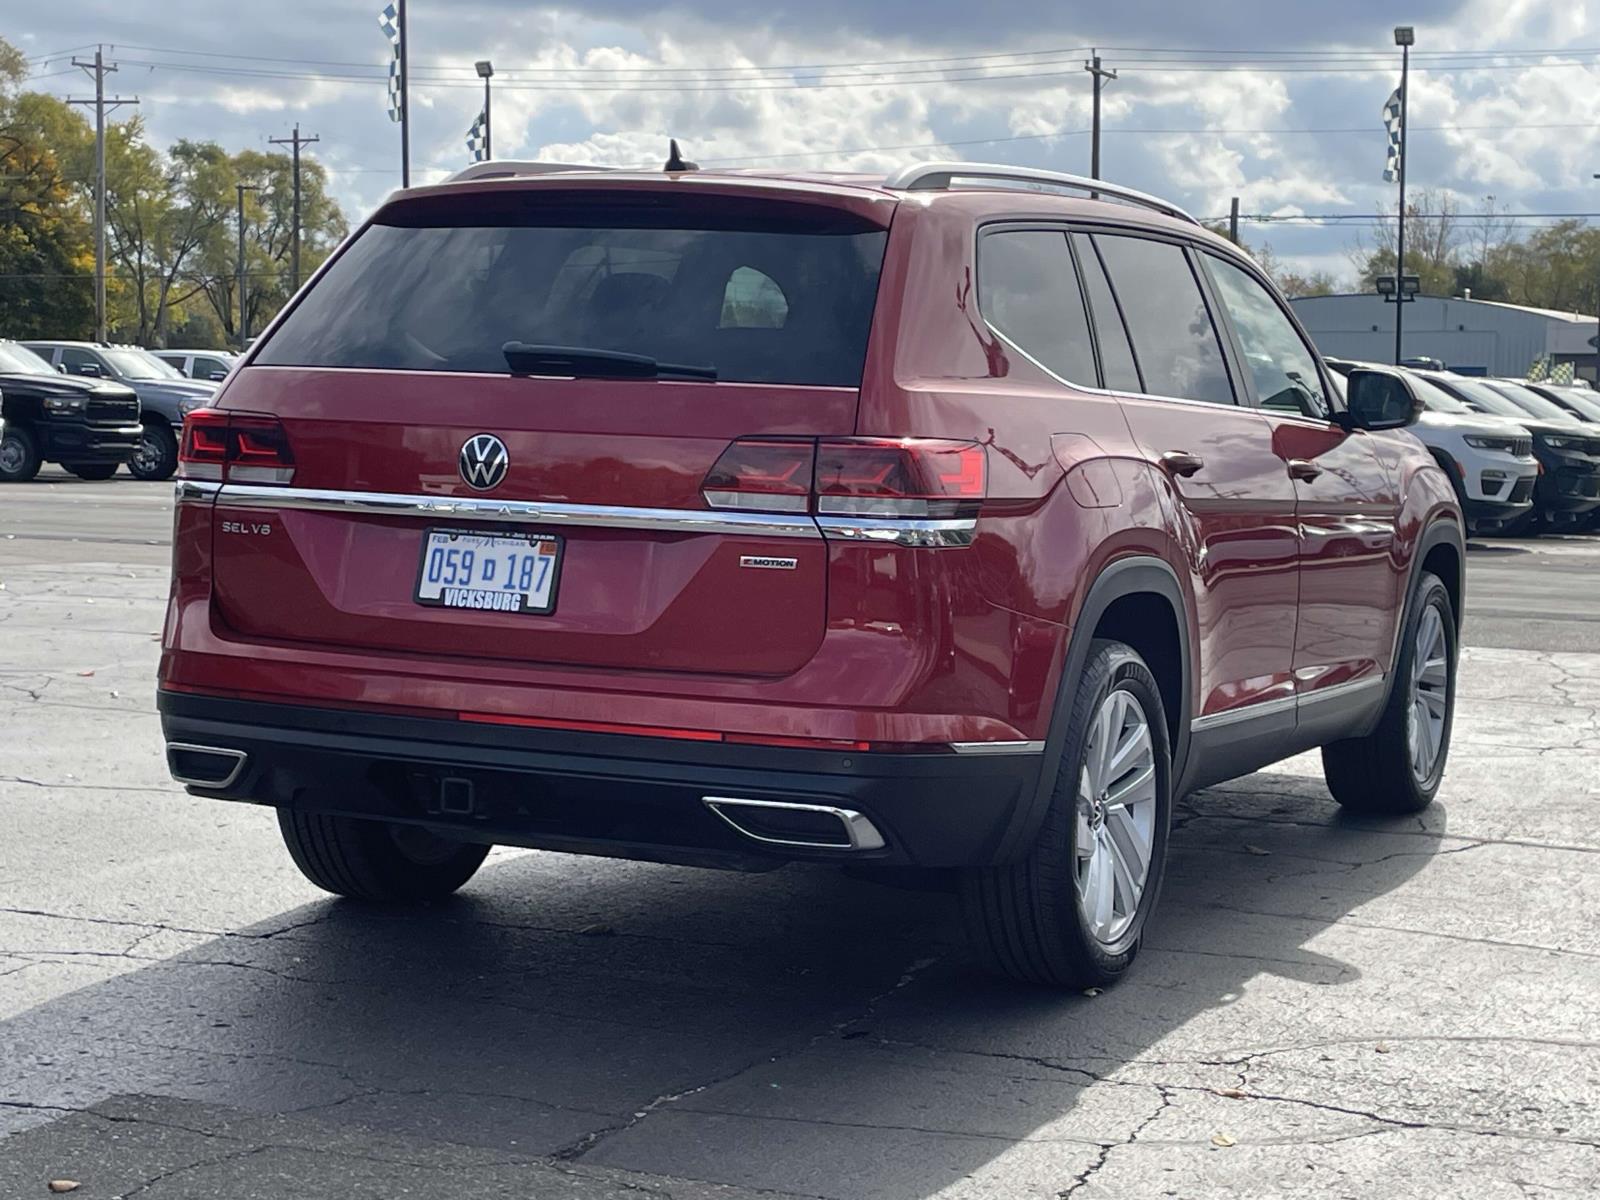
477, 143
1391, 123
1539, 370
1563, 372
389, 22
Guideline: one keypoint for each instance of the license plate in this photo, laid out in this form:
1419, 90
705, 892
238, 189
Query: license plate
514, 573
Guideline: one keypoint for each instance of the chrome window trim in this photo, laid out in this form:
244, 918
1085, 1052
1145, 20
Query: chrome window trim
998, 747
522, 512
1267, 708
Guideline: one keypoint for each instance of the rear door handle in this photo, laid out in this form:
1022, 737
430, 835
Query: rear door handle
1303, 470
1181, 462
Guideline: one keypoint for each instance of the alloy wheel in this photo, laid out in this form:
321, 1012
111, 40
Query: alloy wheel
1116, 816
146, 455
1430, 694
11, 455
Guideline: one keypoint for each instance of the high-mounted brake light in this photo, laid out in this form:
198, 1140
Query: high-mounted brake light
238, 447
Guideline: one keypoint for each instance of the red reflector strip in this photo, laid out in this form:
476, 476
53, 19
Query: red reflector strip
662, 731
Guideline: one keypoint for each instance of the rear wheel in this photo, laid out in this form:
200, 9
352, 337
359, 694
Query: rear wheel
95, 471
1071, 913
1396, 768
19, 454
377, 860
156, 456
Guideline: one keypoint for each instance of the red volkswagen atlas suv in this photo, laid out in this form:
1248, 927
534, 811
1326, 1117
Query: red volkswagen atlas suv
958, 519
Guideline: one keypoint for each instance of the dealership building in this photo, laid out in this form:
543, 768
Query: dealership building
1471, 336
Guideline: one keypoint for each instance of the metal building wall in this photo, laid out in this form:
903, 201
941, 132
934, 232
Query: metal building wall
1461, 333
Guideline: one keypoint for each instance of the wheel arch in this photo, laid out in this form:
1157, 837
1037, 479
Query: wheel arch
1140, 601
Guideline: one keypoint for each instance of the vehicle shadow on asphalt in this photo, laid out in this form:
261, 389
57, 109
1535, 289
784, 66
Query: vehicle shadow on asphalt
798, 1031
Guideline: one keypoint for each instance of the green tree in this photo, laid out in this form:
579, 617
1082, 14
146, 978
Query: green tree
269, 226
46, 258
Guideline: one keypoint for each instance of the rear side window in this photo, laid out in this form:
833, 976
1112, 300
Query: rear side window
1173, 337
770, 299
1028, 290
1116, 355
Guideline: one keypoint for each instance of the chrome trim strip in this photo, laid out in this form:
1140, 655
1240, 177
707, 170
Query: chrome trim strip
900, 531
1245, 712
859, 830
601, 516
997, 747
1267, 708
194, 491
1350, 687
239, 756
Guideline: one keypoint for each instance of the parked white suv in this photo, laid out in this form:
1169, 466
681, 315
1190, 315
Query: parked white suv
1489, 459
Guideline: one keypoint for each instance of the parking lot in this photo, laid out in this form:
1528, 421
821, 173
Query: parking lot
1325, 1006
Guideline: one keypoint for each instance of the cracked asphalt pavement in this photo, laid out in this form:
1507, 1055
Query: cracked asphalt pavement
1324, 1006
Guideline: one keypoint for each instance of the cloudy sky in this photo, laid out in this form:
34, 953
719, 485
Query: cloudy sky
1275, 102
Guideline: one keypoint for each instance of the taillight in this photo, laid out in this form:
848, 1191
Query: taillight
204, 447
861, 477
237, 447
768, 476
899, 477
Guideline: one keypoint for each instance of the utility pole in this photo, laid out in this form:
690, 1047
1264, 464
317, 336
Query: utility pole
405, 99
98, 70
1404, 37
294, 244
1233, 221
1100, 76
244, 310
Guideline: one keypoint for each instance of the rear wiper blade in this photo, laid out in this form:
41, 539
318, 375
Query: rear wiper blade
585, 362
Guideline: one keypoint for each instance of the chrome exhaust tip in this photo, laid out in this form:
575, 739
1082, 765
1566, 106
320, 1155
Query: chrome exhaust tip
785, 823
211, 767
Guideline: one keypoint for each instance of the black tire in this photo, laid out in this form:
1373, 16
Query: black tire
1375, 774
1026, 918
19, 454
376, 860
92, 471
157, 455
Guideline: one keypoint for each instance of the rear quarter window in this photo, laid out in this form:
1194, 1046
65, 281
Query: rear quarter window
775, 297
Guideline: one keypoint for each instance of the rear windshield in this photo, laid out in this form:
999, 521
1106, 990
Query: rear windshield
783, 296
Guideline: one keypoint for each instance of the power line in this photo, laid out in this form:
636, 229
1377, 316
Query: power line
367, 74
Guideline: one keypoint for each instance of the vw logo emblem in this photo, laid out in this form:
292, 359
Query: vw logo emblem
483, 462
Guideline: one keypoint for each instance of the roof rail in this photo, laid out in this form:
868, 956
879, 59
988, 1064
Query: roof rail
937, 176
508, 168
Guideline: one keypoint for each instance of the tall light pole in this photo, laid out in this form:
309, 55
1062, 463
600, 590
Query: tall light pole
244, 311
1404, 37
486, 73
1597, 328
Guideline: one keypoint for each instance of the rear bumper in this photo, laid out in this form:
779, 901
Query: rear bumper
597, 793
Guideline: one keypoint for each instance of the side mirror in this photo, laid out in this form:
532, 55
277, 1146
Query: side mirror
88, 369
1378, 400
